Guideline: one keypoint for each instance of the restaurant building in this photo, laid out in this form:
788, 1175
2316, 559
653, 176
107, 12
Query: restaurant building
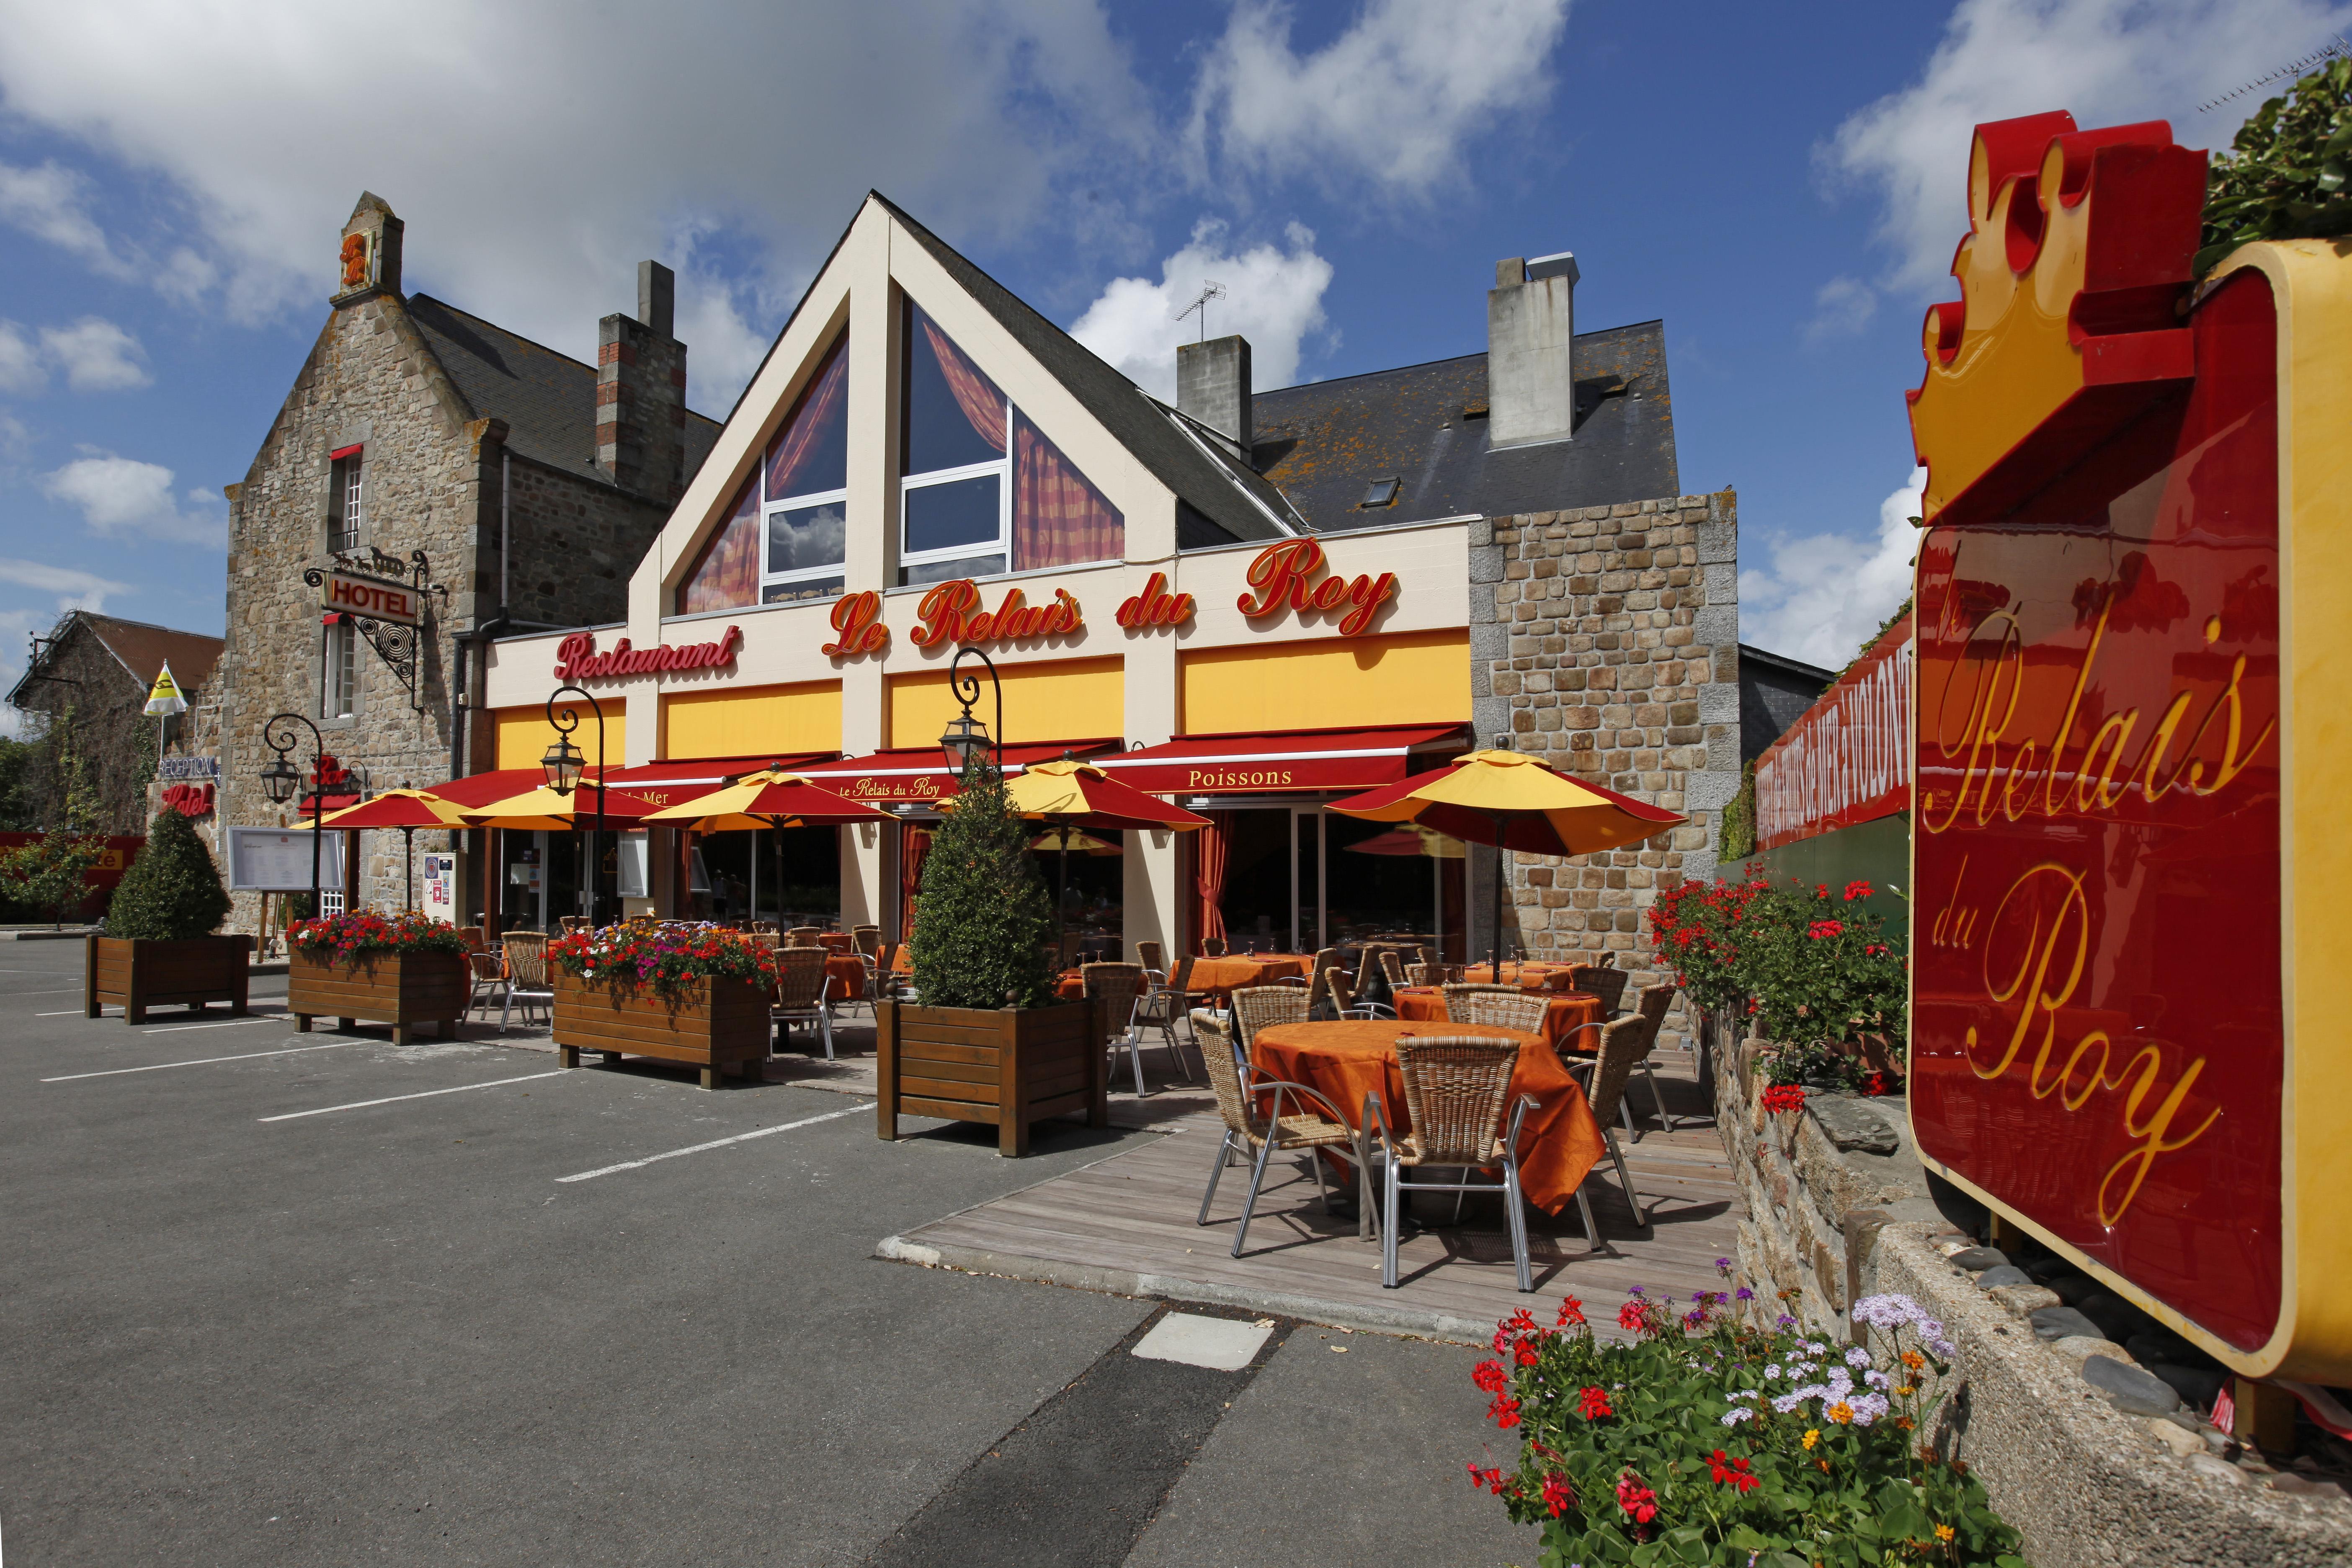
1251, 603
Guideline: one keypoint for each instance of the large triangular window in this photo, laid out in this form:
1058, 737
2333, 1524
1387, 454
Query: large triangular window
785, 536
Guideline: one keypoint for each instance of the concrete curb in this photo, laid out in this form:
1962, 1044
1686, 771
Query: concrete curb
1417, 1323
68, 935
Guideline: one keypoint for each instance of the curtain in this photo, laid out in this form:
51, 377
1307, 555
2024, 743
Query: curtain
727, 574
1058, 518
795, 447
914, 848
1209, 847
974, 393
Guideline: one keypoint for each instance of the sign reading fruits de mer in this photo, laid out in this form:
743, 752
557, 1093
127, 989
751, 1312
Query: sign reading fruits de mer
576, 658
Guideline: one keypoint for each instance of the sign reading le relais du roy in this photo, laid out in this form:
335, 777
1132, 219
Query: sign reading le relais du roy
2108, 1044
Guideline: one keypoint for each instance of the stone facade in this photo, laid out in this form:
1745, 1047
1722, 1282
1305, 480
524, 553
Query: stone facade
1607, 641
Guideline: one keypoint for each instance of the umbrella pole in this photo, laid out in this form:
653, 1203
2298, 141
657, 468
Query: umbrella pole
1495, 954
1062, 903
408, 869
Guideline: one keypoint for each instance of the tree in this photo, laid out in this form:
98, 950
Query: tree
173, 891
53, 873
2288, 174
983, 920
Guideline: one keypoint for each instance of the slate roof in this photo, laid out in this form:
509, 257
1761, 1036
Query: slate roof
1423, 426
548, 399
142, 650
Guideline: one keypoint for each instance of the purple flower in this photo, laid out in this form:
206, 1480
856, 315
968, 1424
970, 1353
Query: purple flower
1744, 1294
1723, 1263
1785, 1321
1634, 1291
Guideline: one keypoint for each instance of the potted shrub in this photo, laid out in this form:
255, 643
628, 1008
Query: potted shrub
158, 948
693, 993
402, 969
986, 1041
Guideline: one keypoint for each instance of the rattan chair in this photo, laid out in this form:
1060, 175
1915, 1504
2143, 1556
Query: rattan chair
486, 973
1458, 994
803, 936
1298, 1117
1255, 1006
1118, 987
1424, 974
1625, 1042
1604, 981
1161, 1005
1650, 1013
799, 994
1154, 959
1392, 968
866, 940
1495, 1004
1213, 947
1343, 997
526, 975
1457, 1090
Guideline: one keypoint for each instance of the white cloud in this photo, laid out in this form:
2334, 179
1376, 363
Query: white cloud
75, 590
20, 362
1842, 307
2108, 62
96, 355
1272, 296
50, 203
1823, 594
1392, 100
124, 498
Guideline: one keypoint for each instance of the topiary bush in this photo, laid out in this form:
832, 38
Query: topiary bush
172, 891
983, 916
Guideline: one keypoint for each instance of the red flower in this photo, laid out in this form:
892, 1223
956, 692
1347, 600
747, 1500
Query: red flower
1857, 889
1594, 1403
1525, 1354
1490, 1477
1571, 1311
1490, 1375
1636, 1499
1504, 1412
1821, 928
1784, 1097
1732, 1473
1557, 1495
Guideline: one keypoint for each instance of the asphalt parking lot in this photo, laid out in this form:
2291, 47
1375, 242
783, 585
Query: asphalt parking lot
270, 1298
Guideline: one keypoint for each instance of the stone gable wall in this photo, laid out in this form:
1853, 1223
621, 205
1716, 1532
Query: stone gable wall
116, 741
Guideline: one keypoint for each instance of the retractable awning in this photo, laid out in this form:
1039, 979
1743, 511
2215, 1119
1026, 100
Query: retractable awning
684, 779
919, 775
1284, 760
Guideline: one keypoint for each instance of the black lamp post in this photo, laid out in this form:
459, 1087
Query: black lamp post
281, 779
967, 738
563, 765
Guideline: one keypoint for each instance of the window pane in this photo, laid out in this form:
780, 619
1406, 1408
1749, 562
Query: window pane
805, 536
811, 453
960, 512
947, 571
1059, 519
728, 575
954, 415
806, 588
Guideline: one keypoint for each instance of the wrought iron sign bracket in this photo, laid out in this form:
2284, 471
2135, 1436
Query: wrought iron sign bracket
397, 643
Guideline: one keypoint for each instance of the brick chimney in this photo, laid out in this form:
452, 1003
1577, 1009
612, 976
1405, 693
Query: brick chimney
1530, 351
1212, 385
641, 391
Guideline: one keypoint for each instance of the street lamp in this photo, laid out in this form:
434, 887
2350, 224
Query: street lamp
563, 765
967, 740
281, 779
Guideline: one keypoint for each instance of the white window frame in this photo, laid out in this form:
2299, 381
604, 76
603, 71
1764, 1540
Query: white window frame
347, 489
340, 684
769, 509
1000, 467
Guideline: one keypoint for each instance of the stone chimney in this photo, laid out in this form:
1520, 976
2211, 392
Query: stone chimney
368, 262
641, 391
1212, 385
1531, 343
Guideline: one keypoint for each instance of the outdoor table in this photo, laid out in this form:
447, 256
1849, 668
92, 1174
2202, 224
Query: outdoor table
1567, 1014
1559, 1142
845, 977
1220, 977
1525, 976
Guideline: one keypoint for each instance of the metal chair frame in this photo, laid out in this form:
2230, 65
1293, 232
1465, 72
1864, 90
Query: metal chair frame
1245, 1132
526, 976
1416, 1150
1160, 1005
801, 988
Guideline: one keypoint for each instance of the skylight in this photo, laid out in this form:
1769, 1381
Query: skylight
1380, 493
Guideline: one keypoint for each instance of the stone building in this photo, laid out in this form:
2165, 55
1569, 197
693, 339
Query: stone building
512, 487
87, 682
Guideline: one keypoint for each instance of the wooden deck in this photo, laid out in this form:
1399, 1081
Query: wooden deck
1127, 1225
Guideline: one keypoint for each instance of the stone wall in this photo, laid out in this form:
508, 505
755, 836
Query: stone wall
115, 742
1607, 641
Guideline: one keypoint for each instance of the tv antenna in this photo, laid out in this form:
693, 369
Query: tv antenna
2293, 67
1209, 291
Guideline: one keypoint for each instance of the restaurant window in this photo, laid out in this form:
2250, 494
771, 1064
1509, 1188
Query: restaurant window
345, 502
785, 533
341, 687
981, 491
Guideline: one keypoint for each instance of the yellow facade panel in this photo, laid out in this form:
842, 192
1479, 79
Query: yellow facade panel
757, 720
1415, 677
1068, 699
524, 734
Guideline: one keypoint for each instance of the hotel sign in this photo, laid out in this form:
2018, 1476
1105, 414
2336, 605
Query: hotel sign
374, 598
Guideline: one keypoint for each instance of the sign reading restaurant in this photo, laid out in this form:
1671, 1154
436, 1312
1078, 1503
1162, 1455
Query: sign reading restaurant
576, 658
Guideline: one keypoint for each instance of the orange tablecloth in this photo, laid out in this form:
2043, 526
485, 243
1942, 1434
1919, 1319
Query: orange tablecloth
1559, 1142
1525, 976
1565, 1015
845, 977
1222, 976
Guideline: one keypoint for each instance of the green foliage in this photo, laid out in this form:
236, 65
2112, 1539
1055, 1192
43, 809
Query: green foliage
1739, 836
341, 936
1809, 965
53, 873
983, 920
1709, 1441
1902, 613
2286, 174
20, 811
172, 891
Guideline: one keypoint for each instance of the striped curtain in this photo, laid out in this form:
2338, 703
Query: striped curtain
977, 395
1209, 847
818, 416
914, 848
1058, 518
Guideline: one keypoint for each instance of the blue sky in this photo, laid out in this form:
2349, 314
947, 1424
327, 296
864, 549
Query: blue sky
1781, 184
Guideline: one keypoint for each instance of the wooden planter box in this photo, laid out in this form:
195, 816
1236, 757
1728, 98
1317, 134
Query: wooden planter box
1004, 1067
403, 989
717, 1025
135, 974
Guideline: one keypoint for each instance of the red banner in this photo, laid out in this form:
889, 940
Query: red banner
1847, 759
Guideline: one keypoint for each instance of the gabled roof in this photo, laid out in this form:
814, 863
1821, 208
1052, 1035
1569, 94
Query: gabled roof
1188, 462
548, 399
141, 650
1423, 426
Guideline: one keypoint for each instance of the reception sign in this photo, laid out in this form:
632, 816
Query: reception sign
2115, 1040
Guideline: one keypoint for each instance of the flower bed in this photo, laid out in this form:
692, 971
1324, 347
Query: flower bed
341, 936
1705, 1440
663, 957
697, 994
402, 970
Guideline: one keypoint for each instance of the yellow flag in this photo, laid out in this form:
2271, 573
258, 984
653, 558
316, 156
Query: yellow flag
164, 696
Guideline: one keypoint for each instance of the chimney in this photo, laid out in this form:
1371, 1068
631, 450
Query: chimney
641, 392
1212, 385
368, 262
1530, 342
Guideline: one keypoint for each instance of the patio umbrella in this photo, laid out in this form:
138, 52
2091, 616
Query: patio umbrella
771, 798
408, 810
1068, 839
1513, 802
1410, 840
544, 809
1070, 794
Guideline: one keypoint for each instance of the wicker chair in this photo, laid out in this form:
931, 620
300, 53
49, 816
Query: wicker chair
1255, 1006
1118, 987
1424, 974
799, 994
1458, 994
1318, 993
1154, 959
486, 973
1391, 967
1161, 1006
526, 975
1625, 1042
866, 940
1604, 981
1343, 997
1213, 947
1650, 1013
572, 922
803, 936
1457, 1089
1298, 1119
1510, 1009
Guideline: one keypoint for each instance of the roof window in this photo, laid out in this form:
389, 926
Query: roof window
1380, 492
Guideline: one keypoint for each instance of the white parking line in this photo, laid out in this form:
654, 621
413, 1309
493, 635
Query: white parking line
427, 1094
205, 1061
716, 1143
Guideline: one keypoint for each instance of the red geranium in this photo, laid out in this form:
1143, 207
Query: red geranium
1594, 1403
1504, 1411
1571, 1311
1784, 1097
1857, 889
1557, 1495
1490, 1375
1636, 1499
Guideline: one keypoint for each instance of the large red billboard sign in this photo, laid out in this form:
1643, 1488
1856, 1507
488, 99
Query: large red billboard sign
1847, 759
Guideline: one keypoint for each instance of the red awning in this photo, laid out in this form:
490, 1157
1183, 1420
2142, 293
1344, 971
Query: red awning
919, 775
1285, 760
675, 781
478, 790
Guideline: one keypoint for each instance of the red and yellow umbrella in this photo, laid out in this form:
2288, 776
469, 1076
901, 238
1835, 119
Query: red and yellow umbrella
408, 810
1070, 794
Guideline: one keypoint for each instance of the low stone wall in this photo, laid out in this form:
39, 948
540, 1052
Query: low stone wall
2104, 1467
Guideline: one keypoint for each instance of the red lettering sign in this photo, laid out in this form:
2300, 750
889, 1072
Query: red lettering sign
857, 626
189, 799
576, 658
368, 596
1155, 607
1283, 576
1847, 759
950, 614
